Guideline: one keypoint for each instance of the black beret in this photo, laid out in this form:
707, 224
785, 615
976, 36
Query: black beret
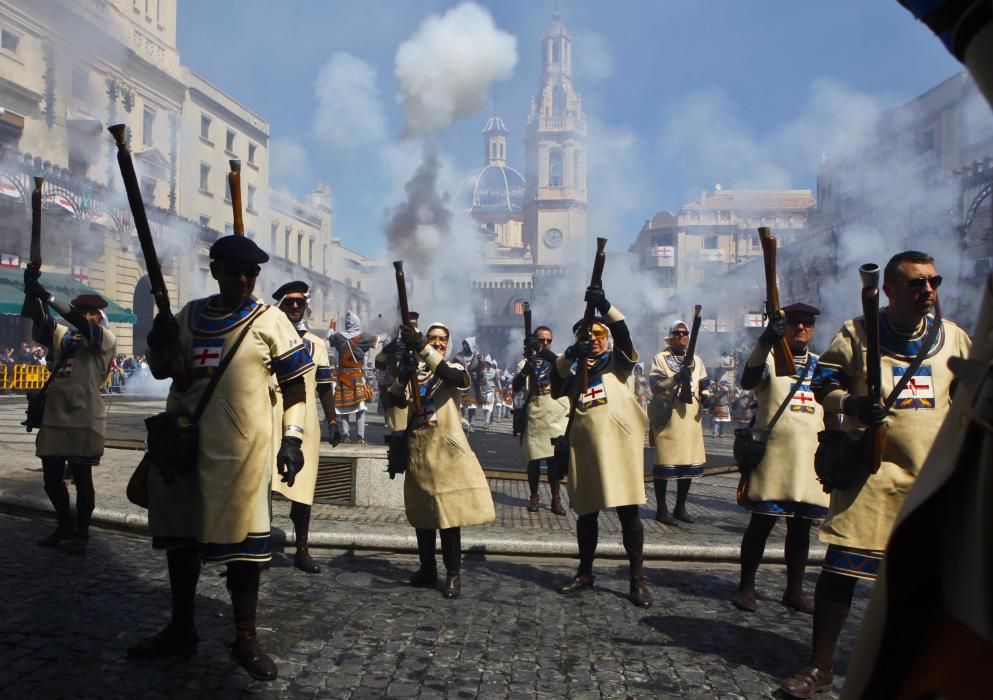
291, 287
88, 302
236, 248
801, 309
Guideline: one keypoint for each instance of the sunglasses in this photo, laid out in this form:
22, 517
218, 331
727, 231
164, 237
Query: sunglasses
236, 270
442, 338
597, 333
681, 333
293, 301
545, 341
796, 320
918, 282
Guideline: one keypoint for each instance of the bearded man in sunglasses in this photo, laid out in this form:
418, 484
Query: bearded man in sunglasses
293, 299
218, 508
679, 451
860, 518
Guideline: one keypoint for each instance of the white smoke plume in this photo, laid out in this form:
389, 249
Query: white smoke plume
446, 68
350, 113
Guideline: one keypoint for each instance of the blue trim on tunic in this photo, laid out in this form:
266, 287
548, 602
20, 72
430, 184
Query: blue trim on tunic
849, 561
257, 546
681, 471
207, 321
786, 509
292, 363
325, 375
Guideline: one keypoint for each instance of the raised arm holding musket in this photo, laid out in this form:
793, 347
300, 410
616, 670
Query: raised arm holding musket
916, 345
606, 437
677, 423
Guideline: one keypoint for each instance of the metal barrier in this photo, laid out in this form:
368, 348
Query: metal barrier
27, 377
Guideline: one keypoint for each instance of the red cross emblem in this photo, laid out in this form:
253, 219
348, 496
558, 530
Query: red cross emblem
594, 393
915, 387
803, 399
205, 355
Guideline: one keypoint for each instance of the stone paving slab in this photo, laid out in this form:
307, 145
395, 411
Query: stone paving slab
356, 630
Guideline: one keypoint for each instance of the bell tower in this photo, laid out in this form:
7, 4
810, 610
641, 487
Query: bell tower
555, 146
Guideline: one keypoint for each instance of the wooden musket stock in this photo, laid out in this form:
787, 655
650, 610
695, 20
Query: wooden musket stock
686, 388
405, 320
781, 354
234, 184
35, 238
596, 280
177, 368
873, 369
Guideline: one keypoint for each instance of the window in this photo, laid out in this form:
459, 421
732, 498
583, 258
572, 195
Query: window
147, 126
493, 150
556, 51
251, 153
250, 198
205, 127
558, 101
204, 221
273, 233
204, 177
555, 167
711, 242
80, 85
229, 141
148, 189
78, 165
927, 140
9, 41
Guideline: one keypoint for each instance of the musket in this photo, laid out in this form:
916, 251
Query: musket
234, 184
405, 319
528, 355
685, 391
35, 239
781, 354
177, 368
596, 280
873, 360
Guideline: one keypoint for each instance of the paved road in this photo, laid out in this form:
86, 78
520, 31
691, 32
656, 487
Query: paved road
357, 631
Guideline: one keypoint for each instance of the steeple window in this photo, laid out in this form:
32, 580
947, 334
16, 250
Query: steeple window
558, 101
556, 51
555, 167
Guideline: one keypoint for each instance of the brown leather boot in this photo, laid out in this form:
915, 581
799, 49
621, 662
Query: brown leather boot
300, 516
243, 583
303, 561
453, 585
745, 600
533, 503
578, 583
641, 594
807, 682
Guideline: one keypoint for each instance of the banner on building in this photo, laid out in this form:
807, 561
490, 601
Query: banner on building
754, 321
8, 260
713, 255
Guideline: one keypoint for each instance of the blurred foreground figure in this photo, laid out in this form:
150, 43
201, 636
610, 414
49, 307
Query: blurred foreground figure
74, 418
928, 630
294, 301
914, 343
218, 507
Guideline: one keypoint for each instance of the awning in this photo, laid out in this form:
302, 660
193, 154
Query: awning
67, 287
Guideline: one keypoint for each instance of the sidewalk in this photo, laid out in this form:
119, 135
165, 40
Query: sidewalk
716, 535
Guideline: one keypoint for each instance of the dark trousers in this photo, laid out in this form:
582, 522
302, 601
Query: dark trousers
53, 473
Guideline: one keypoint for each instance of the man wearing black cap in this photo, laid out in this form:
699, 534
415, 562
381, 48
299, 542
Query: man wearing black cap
294, 301
218, 509
784, 484
74, 419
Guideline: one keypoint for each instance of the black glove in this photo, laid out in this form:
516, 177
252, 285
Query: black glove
863, 408
595, 296
334, 435
412, 338
407, 366
773, 333
289, 459
581, 348
32, 287
165, 331
531, 346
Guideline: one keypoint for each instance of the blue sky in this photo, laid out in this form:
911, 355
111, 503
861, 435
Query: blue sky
680, 94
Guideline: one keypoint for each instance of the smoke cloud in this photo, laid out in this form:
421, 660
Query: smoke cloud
445, 69
350, 113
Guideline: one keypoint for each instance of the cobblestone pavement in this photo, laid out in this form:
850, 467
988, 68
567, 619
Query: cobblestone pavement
357, 631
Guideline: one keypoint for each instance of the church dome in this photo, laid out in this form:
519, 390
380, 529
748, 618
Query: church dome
493, 192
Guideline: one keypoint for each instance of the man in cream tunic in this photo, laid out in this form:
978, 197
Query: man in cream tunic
294, 299
218, 510
444, 488
679, 452
784, 483
606, 442
860, 519
73, 423
546, 417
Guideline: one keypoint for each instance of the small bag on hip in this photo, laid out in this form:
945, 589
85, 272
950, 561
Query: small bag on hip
840, 459
560, 456
35, 411
137, 490
749, 448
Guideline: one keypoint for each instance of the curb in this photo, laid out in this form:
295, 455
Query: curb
473, 542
